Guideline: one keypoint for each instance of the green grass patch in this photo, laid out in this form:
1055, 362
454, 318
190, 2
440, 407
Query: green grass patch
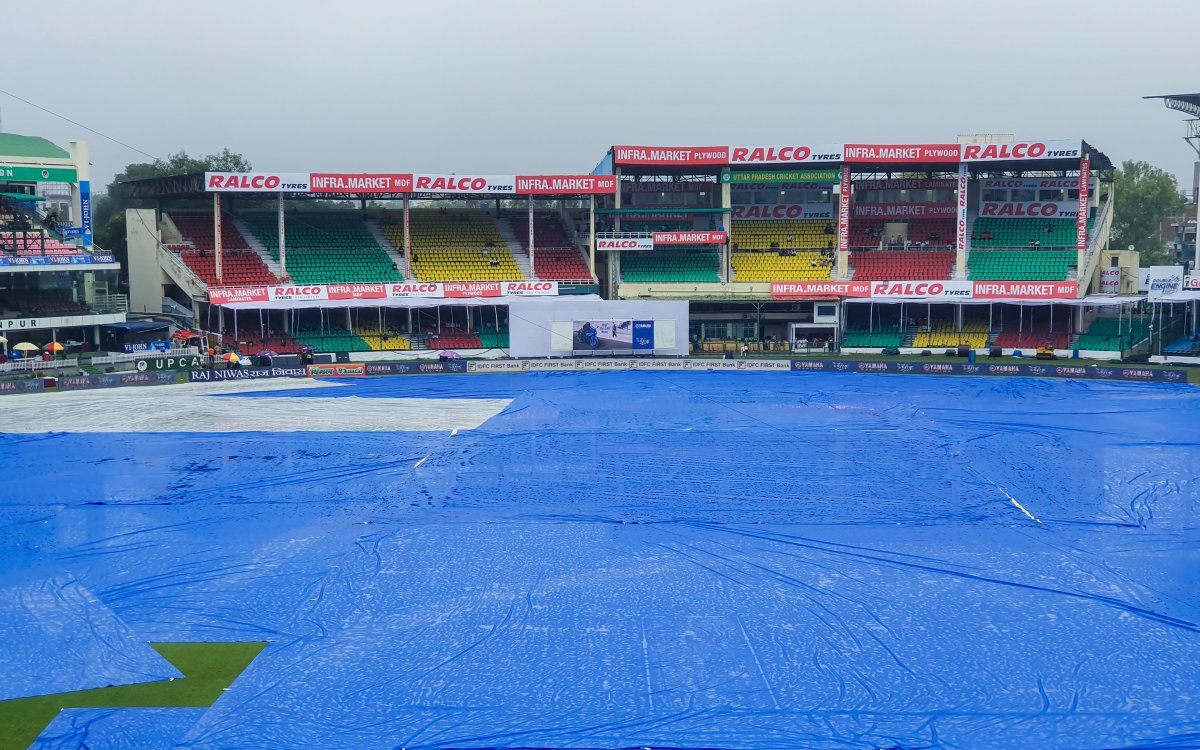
208, 669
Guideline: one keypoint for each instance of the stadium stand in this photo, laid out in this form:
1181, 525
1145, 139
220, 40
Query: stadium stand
670, 267
555, 258
1020, 265
384, 340
878, 338
239, 264
902, 265
249, 339
771, 265
777, 235
993, 232
944, 334
1114, 334
456, 246
325, 247
1187, 344
493, 338
41, 302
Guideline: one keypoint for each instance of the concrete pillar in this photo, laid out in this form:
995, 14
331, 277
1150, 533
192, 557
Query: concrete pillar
960, 227
727, 222
81, 191
592, 234
843, 229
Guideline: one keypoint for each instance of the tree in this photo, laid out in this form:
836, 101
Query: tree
1144, 195
109, 212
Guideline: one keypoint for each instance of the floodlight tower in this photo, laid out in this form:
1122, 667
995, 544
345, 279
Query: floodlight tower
1189, 104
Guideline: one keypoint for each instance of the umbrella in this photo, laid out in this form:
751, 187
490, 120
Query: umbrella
231, 357
267, 353
25, 346
3, 340
53, 346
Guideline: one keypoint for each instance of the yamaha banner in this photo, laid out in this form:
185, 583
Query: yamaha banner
1088, 372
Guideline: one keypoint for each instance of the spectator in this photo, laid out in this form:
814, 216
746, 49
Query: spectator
828, 228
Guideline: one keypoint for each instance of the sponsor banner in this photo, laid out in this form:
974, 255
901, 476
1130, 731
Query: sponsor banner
457, 183
238, 294
960, 214
1110, 281
460, 289
1192, 281
1022, 150
843, 230
356, 291
1027, 210
256, 182
785, 154
418, 368
628, 243
566, 184
1164, 280
414, 289
666, 156
26, 173
602, 335
147, 346
690, 238
923, 153
809, 289
815, 178
65, 321
495, 365
28, 385
342, 182
352, 370
905, 210
399, 290
1090, 372
903, 184
114, 380
652, 186
1081, 211
1031, 183
245, 373
187, 362
781, 211
932, 290
1025, 290
643, 335
58, 260
85, 212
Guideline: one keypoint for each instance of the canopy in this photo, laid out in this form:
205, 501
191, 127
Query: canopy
25, 197
137, 326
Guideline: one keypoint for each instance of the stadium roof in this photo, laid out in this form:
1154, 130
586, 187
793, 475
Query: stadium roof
30, 147
1186, 103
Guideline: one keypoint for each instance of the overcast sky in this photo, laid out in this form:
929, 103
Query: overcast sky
546, 86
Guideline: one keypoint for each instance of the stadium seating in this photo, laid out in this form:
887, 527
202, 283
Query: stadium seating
1188, 344
333, 341
249, 339
944, 334
901, 265
34, 244
768, 235
325, 247
451, 245
670, 267
1020, 265
384, 340
1032, 336
993, 232
874, 339
239, 264
771, 266
868, 233
453, 341
493, 338
555, 258
1114, 334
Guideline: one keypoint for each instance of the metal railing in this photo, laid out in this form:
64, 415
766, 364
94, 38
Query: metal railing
33, 365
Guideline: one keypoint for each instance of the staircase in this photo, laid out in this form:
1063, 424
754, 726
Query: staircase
258, 247
910, 333
396, 254
994, 334
514, 246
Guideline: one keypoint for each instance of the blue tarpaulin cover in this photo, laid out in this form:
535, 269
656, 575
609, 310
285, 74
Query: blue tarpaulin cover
683, 560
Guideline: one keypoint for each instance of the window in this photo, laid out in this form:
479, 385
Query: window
1024, 195
715, 330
